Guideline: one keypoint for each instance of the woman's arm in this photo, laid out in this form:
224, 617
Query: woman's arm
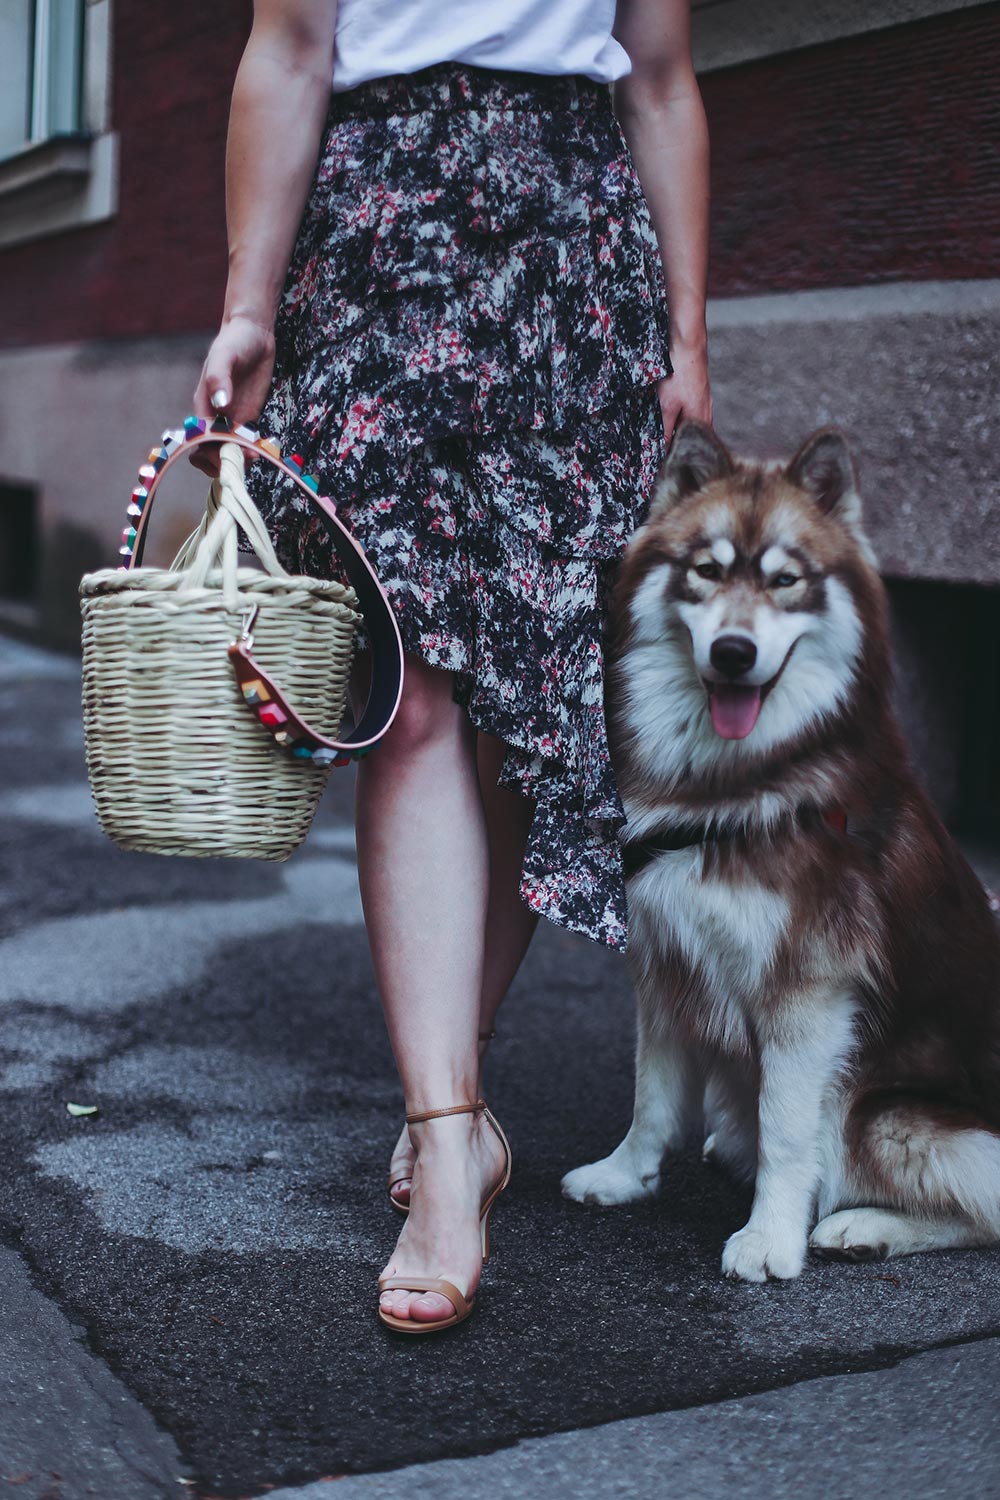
662, 117
280, 100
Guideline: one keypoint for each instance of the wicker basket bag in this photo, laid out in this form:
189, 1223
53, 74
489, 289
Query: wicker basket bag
213, 692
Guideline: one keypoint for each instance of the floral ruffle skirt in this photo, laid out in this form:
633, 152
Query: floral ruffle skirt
471, 330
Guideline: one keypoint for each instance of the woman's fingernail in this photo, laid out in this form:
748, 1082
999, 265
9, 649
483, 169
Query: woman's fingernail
221, 398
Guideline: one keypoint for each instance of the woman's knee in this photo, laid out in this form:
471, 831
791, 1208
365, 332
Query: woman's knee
427, 711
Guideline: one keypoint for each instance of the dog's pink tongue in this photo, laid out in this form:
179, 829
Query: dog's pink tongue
734, 710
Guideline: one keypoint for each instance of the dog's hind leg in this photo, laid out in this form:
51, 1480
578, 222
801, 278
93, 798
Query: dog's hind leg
932, 1170
731, 1119
668, 1091
877, 1233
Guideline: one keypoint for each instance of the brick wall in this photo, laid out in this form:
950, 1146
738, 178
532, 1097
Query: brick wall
872, 159
160, 265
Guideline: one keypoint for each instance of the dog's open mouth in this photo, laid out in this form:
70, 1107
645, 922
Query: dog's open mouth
734, 708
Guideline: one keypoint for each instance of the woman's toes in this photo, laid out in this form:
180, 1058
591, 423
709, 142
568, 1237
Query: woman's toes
395, 1303
431, 1307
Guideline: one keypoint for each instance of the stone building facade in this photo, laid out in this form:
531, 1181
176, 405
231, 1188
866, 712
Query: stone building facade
856, 241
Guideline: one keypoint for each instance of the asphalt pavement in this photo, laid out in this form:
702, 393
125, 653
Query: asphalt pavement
189, 1273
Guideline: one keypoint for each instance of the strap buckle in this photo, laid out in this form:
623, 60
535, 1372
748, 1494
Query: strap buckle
246, 630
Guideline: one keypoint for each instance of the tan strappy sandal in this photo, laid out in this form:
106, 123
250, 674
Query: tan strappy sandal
463, 1305
398, 1172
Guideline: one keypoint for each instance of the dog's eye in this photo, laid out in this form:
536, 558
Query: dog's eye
786, 581
709, 570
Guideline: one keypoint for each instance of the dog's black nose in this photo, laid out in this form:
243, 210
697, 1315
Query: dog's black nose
732, 655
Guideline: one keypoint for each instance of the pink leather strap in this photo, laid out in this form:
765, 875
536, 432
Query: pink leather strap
288, 727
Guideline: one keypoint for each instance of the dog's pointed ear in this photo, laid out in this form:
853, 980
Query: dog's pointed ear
696, 457
824, 469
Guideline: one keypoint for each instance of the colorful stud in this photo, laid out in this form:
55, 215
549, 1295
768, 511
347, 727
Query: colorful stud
128, 535
282, 737
250, 433
269, 445
312, 482
342, 760
296, 461
147, 474
255, 692
140, 495
194, 426
124, 551
303, 752
221, 423
322, 756
272, 715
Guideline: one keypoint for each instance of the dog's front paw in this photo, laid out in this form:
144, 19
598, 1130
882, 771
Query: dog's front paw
613, 1180
752, 1255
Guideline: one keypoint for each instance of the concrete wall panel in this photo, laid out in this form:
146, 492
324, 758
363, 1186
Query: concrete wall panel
911, 375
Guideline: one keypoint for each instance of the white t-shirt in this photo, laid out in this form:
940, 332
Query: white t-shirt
376, 38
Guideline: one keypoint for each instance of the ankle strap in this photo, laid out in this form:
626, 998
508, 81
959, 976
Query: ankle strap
454, 1109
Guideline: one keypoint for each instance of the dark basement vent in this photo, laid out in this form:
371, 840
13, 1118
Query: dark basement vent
19, 543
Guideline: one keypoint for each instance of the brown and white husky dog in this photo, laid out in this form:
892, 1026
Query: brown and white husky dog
817, 967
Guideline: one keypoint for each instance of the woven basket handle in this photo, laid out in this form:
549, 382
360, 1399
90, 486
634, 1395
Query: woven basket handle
260, 690
207, 544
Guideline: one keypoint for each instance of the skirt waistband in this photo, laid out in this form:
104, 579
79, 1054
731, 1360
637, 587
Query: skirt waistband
455, 86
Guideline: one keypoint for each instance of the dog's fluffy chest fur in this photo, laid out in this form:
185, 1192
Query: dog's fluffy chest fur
719, 940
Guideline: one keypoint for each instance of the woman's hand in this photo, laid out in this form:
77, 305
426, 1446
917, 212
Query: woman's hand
686, 395
235, 379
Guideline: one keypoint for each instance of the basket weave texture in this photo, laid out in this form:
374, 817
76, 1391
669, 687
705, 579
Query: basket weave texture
177, 762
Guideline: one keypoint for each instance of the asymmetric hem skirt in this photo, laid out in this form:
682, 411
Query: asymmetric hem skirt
468, 344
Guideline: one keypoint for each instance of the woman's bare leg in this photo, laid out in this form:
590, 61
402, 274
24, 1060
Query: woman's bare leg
510, 923
423, 869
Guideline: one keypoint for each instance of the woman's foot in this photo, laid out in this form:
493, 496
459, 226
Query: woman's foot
460, 1158
405, 1152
